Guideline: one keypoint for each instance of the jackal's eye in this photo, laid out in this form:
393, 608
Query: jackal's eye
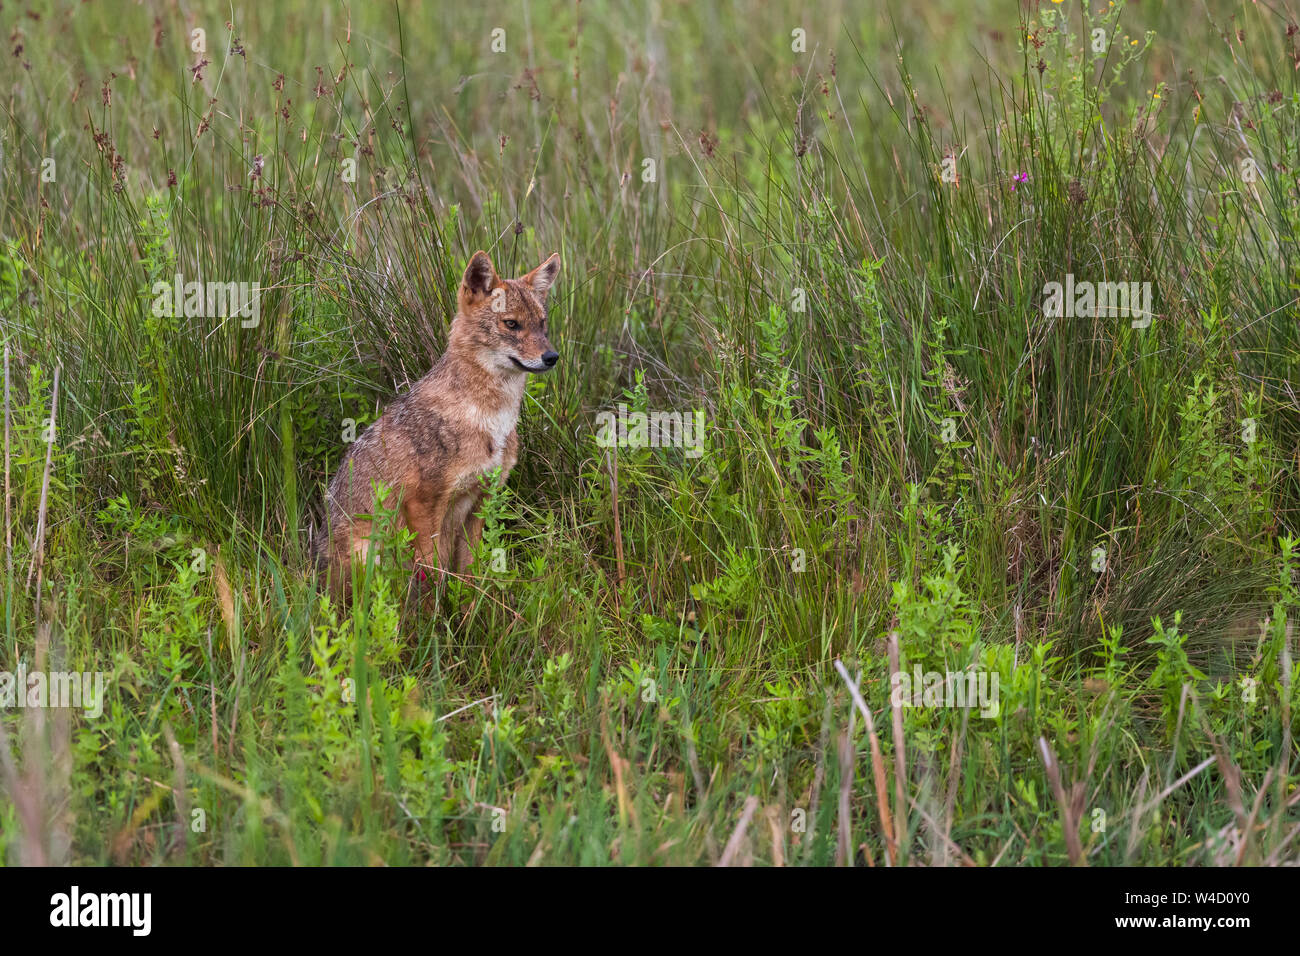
511, 324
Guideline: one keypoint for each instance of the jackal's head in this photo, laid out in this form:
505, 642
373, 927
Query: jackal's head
502, 322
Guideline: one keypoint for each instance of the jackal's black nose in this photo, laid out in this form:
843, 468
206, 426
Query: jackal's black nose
550, 358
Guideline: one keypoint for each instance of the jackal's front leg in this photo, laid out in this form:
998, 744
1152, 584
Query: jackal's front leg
425, 518
470, 535
468, 539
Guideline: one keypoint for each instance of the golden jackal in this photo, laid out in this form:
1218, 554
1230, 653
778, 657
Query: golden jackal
432, 445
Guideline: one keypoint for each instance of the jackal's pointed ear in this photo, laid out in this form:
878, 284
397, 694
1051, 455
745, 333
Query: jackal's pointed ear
480, 278
544, 275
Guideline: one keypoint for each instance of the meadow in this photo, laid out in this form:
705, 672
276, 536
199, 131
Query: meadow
847, 237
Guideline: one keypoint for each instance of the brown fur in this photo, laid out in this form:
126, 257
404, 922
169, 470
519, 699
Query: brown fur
433, 444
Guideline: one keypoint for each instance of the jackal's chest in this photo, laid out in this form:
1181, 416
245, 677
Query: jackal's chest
491, 448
